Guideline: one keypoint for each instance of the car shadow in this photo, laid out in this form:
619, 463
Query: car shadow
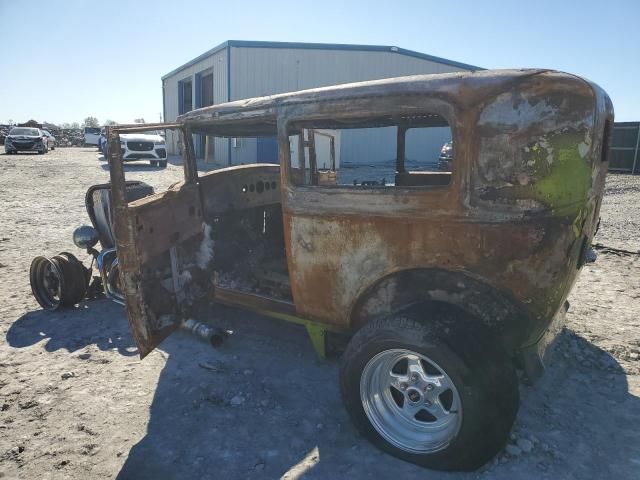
71, 329
264, 406
258, 406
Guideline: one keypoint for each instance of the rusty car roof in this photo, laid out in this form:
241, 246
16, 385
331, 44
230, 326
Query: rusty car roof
464, 89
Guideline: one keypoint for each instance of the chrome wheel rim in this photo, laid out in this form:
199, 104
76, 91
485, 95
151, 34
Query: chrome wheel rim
410, 401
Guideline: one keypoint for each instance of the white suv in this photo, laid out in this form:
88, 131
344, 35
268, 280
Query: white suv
140, 146
143, 146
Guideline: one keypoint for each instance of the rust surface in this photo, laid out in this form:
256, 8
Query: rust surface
501, 237
148, 233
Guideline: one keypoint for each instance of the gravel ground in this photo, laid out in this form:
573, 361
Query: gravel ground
76, 403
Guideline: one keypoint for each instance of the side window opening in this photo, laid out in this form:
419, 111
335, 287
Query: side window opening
376, 153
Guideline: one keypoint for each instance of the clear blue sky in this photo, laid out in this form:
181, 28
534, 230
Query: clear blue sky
61, 61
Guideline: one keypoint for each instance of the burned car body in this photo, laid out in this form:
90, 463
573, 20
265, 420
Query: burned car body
443, 282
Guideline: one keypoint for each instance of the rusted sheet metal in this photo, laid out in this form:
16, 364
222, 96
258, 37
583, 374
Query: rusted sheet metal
163, 219
259, 114
522, 204
254, 302
143, 127
240, 187
501, 237
147, 233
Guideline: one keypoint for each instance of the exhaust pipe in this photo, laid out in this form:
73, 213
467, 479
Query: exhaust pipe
215, 336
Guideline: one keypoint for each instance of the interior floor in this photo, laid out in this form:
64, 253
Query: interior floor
250, 252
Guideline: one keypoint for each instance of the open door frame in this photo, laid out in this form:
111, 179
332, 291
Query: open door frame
149, 232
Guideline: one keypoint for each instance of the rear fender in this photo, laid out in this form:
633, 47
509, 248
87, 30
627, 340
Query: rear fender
432, 289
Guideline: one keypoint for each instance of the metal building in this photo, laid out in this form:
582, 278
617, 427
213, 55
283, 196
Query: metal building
625, 148
237, 69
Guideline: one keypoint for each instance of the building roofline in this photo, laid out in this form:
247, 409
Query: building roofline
322, 46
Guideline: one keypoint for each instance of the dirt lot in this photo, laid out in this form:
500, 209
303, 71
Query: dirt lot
75, 401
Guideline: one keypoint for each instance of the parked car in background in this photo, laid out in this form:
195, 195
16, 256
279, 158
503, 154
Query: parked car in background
25, 139
91, 135
139, 146
446, 157
49, 139
143, 146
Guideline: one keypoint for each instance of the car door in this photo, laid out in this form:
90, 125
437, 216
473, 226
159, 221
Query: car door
163, 251
347, 227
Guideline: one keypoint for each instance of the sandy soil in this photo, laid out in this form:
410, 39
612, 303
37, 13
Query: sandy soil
76, 403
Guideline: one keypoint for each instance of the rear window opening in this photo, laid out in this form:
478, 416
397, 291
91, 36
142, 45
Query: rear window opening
379, 153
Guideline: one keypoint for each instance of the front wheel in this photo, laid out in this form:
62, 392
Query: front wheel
163, 163
441, 400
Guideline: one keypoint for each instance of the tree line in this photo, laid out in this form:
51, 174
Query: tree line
87, 122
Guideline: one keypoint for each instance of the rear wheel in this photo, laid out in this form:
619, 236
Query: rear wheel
443, 398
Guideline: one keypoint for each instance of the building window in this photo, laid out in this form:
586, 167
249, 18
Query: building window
207, 90
185, 96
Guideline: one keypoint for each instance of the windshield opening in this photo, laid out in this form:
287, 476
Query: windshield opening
32, 132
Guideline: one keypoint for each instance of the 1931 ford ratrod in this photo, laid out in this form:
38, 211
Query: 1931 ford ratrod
444, 283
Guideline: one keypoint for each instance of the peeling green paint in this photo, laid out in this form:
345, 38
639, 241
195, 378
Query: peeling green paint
565, 178
317, 331
317, 336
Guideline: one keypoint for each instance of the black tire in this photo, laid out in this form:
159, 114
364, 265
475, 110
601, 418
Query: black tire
482, 374
138, 191
163, 163
76, 280
70, 276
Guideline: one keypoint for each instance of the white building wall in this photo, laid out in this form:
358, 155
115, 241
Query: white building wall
216, 63
265, 71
